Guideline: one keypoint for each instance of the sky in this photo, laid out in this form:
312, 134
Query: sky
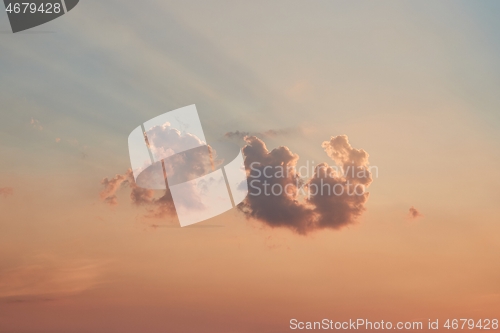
412, 84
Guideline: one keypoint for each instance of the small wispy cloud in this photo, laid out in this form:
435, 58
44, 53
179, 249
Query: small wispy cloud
71, 142
6, 191
36, 124
46, 278
414, 213
157, 207
271, 133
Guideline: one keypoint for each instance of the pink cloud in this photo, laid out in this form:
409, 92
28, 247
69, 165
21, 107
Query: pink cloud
157, 207
36, 124
336, 208
414, 213
48, 278
271, 133
328, 204
6, 191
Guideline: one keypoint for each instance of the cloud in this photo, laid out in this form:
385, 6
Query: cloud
157, 206
354, 162
6, 191
275, 210
36, 124
71, 142
272, 133
46, 278
236, 135
158, 203
165, 141
335, 196
331, 198
108, 194
191, 164
414, 213
183, 156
